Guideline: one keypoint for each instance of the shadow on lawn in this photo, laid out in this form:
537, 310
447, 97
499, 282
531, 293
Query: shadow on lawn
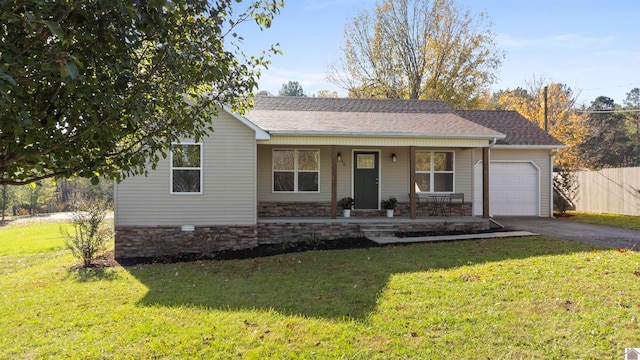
92, 274
324, 284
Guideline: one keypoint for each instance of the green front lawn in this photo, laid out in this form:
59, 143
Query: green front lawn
31, 238
509, 298
621, 221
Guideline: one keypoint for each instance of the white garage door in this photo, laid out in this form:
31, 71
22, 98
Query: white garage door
513, 189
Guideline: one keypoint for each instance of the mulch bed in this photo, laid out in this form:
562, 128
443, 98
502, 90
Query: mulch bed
259, 251
107, 260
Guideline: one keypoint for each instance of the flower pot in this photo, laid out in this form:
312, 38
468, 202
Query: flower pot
389, 212
346, 212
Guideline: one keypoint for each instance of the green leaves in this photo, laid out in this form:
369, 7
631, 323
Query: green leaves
69, 69
9, 79
55, 29
100, 86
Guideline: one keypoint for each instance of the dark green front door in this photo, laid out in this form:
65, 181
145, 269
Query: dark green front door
365, 180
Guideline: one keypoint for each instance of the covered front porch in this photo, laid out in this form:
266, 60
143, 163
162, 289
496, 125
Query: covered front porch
415, 206
320, 151
308, 180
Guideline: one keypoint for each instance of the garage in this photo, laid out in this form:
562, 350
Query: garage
513, 189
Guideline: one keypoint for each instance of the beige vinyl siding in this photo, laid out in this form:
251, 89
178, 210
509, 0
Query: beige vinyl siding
464, 174
228, 185
395, 175
540, 157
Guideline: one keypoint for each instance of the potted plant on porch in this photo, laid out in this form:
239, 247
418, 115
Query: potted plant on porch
390, 204
346, 203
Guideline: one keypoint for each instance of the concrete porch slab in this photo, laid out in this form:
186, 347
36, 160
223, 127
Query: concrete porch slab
419, 239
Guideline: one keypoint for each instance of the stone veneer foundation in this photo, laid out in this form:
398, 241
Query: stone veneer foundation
323, 209
162, 241
159, 241
294, 231
294, 209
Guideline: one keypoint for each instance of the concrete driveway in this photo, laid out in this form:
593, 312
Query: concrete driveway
572, 230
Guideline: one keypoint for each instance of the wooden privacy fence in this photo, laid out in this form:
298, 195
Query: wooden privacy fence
610, 191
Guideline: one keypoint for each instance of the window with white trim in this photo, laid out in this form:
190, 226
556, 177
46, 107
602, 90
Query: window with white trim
434, 171
186, 169
296, 170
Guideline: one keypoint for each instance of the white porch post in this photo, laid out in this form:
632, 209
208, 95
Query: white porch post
334, 182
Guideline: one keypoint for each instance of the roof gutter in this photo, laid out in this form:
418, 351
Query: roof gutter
531, 147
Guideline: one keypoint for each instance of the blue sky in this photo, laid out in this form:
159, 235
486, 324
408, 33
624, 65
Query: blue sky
592, 46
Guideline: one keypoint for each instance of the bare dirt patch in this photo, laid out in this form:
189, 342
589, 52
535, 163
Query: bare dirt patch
106, 260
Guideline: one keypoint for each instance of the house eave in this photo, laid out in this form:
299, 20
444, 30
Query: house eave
377, 141
260, 133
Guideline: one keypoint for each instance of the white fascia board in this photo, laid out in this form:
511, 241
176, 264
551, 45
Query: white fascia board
260, 134
529, 147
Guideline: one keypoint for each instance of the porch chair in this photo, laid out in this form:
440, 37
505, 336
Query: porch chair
456, 199
419, 202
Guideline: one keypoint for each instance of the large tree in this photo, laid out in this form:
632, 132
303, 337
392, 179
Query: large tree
607, 142
103, 87
328, 94
632, 113
564, 121
418, 49
291, 88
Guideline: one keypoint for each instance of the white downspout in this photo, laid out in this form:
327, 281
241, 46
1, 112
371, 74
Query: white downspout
551, 182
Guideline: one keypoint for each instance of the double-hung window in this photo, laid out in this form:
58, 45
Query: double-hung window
186, 169
296, 170
434, 171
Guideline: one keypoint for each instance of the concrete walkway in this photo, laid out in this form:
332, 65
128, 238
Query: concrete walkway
572, 230
420, 239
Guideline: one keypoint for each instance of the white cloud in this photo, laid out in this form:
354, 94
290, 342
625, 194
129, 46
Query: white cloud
574, 40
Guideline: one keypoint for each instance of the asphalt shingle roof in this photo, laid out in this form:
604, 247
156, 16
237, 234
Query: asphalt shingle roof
363, 116
290, 114
518, 129
294, 103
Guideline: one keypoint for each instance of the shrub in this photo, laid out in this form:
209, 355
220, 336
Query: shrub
565, 188
346, 202
390, 203
89, 235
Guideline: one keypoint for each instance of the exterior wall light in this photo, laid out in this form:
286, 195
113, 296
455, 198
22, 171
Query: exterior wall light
394, 158
339, 157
